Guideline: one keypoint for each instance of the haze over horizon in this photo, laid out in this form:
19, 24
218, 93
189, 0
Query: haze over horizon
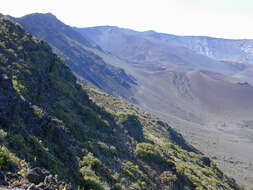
222, 19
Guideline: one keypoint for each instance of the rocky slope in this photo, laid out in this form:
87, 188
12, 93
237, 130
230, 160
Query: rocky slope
47, 120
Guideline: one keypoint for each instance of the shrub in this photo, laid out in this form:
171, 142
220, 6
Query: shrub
91, 180
4, 161
167, 177
90, 161
3, 134
149, 153
118, 186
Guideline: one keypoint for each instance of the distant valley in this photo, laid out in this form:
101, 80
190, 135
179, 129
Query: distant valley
195, 87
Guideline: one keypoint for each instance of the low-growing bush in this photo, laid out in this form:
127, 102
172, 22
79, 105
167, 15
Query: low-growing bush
4, 161
149, 153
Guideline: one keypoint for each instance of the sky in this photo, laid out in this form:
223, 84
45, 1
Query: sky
218, 18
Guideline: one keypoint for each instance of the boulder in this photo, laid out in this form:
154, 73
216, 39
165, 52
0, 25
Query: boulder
37, 175
206, 161
3, 182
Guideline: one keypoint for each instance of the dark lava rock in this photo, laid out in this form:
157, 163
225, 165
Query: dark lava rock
12, 177
206, 161
33, 187
2, 179
37, 175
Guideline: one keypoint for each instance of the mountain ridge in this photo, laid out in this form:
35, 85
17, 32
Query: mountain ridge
149, 58
74, 48
165, 52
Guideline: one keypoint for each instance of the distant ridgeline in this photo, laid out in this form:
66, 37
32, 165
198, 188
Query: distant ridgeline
76, 51
53, 135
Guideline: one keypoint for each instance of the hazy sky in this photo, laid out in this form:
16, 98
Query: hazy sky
219, 18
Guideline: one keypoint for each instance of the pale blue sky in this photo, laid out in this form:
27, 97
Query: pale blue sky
218, 18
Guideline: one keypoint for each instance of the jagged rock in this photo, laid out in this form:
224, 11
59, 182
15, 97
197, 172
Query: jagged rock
2, 179
206, 161
49, 179
37, 175
12, 177
33, 187
41, 185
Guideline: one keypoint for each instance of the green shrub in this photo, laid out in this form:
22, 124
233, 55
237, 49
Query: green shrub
118, 186
3, 134
149, 153
132, 171
167, 177
90, 161
89, 164
91, 180
4, 161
